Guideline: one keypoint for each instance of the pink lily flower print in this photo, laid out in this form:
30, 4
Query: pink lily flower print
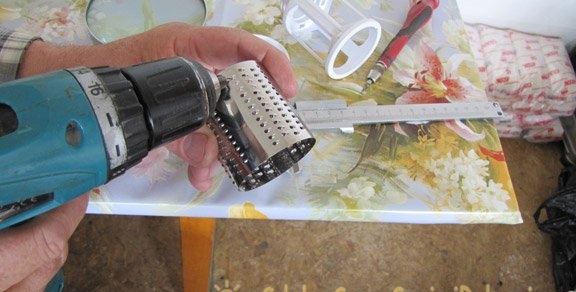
429, 81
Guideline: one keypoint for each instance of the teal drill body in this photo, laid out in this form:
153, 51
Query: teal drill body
66, 132
38, 159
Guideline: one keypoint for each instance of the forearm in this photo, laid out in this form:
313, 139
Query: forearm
43, 57
215, 47
22, 55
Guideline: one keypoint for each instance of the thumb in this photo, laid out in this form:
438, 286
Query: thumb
198, 149
27, 247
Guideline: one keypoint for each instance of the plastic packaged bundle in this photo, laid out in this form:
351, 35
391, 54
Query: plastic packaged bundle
500, 58
531, 76
509, 130
552, 131
532, 65
560, 75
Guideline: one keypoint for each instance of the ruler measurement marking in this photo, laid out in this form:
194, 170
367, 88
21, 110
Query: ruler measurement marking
326, 118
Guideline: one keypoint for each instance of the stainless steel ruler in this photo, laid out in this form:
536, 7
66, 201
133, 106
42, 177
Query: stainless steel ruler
336, 114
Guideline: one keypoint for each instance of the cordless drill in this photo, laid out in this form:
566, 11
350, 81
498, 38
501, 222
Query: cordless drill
66, 132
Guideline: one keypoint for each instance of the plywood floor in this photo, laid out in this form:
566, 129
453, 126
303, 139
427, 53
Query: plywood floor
126, 253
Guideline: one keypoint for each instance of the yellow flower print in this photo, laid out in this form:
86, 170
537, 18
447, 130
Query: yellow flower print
7, 14
246, 211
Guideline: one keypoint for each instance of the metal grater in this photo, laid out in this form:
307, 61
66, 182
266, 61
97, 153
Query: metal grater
259, 135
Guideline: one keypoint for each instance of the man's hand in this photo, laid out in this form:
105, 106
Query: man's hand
33, 252
214, 47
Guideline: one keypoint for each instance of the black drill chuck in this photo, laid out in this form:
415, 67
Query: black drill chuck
159, 101
178, 96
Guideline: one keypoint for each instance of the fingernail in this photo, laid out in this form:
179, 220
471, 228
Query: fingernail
194, 147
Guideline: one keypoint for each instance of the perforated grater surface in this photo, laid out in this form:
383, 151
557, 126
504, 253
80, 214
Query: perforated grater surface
259, 135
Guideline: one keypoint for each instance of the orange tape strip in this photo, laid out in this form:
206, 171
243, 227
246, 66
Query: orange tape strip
197, 236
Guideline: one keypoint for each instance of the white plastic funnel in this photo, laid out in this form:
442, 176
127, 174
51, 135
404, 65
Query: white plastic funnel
334, 32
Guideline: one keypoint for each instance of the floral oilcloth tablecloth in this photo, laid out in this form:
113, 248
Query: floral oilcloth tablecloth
442, 172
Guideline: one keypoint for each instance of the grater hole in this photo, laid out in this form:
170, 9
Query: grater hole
276, 125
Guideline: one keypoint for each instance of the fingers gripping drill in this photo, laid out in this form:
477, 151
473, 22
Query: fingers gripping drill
66, 132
